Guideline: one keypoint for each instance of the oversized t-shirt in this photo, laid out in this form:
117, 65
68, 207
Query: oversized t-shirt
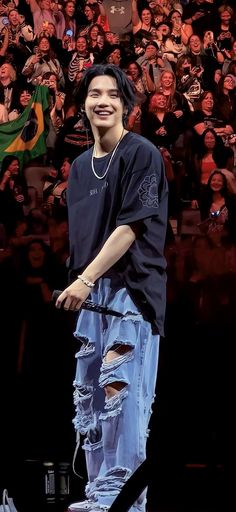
134, 190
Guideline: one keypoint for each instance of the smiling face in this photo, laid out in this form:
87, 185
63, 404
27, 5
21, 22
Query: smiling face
70, 9
158, 103
228, 83
195, 44
133, 71
81, 45
103, 105
114, 57
146, 17
44, 45
24, 98
167, 79
89, 13
208, 102
13, 17
100, 41
94, 33
209, 140
36, 255
52, 81
13, 168
217, 182
225, 16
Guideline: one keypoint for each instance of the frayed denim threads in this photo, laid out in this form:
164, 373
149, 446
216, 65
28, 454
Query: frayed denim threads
116, 427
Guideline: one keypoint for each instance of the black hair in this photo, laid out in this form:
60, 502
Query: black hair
139, 68
224, 191
219, 145
7, 160
125, 87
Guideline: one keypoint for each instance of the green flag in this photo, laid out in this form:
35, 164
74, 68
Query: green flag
25, 137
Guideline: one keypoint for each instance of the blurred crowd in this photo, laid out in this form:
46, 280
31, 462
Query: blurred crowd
181, 57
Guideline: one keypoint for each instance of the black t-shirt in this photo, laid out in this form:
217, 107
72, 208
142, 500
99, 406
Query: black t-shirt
134, 190
210, 121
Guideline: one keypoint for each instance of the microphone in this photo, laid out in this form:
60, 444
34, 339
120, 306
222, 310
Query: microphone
91, 306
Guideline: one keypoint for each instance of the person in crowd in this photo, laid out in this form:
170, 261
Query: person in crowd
45, 12
20, 37
176, 43
93, 35
81, 58
205, 65
142, 25
229, 60
207, 115
189, 80
141, 78
225, 32
105, 249
161, 126
13, 193
41, 62
176, 101
24, 96
226, 100
153, 61
8, 86
114, 55
54, 193
69, 15
95, 13
224, 160
218, 210
211, 47
180, 31
200, 14
56, 99
74, 137
204, 162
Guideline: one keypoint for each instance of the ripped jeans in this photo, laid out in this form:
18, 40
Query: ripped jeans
115, 427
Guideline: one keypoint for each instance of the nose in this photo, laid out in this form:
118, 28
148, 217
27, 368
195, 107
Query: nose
103, 100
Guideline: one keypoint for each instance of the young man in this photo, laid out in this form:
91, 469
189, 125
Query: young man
117, 203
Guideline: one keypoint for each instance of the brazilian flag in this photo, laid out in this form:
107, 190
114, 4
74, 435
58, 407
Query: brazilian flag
25, 137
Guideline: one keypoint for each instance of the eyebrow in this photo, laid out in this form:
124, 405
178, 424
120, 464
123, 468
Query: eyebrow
99, 90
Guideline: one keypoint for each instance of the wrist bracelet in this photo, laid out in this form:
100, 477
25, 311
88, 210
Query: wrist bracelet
86, 281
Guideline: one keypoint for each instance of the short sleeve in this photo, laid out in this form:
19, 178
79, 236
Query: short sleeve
143, 187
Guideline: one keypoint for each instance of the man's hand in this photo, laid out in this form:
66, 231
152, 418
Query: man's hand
74, 295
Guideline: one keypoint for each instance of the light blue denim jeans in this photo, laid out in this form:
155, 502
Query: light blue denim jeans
115, 428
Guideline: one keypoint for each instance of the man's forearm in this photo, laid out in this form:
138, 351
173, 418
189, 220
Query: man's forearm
114, 248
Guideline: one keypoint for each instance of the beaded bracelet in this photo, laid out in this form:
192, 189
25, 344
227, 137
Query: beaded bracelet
86, 281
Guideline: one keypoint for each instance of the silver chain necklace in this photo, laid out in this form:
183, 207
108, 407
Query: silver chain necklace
111, 158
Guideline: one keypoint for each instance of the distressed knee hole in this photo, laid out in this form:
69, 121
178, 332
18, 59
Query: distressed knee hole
114, 388
117, 351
